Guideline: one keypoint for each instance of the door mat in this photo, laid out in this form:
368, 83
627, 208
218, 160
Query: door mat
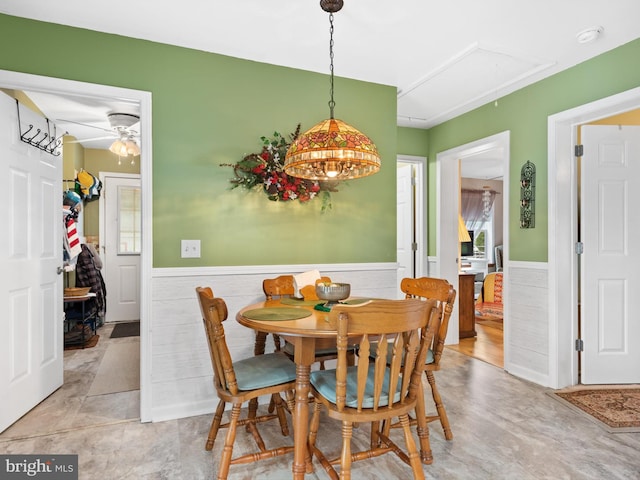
119, 370
616, 408
90, 342
126, 329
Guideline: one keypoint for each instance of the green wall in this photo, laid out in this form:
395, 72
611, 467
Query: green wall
413, 141
525, 113
209, 110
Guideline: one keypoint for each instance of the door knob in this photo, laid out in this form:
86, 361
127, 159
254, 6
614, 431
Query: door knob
59, 270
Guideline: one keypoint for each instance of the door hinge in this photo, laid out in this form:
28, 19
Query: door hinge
579, 150
579, 345
579, 248
414, 246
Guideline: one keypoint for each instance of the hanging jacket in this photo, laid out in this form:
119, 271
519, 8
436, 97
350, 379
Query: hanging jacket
88, 275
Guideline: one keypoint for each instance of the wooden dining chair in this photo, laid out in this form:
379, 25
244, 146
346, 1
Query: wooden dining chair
273, 288
240, 382
444, 294
282, 287
395, 335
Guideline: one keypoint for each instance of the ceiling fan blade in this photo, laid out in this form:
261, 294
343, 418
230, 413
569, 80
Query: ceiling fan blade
84, 125
94, 139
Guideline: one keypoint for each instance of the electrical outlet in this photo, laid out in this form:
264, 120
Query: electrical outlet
190, 248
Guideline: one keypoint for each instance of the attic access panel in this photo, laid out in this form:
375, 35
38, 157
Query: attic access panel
495, 69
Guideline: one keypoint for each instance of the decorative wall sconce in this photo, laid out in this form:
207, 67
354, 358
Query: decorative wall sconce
528, 195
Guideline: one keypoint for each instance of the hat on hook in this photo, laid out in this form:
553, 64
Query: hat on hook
71, 198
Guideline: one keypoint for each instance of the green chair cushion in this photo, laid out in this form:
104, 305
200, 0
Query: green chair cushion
264, 371
324, 381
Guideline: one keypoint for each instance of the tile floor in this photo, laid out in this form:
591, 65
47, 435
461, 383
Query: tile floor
504, 428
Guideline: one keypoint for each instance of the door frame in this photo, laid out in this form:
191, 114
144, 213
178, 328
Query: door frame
563, 228
25, 81
448, 187
420, 207
101, 211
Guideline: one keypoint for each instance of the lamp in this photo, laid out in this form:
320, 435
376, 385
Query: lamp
124, 146
332, 149
463, 233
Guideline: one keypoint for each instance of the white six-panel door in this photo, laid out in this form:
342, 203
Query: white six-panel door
31, 322
610, 232
405, 224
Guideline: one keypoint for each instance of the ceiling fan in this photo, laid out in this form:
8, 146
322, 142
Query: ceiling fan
125, 137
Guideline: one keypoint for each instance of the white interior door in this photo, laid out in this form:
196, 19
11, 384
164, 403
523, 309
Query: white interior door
122, 244
610, 229
31, 344
448, 245
405, 215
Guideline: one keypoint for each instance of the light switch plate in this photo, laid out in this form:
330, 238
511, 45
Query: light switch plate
190, 248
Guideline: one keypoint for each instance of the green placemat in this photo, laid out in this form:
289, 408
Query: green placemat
298, 301
357, 301
313, 303
353, 301
276, 314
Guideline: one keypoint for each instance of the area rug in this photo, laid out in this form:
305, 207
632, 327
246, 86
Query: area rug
126, 329
119, 370
616, 408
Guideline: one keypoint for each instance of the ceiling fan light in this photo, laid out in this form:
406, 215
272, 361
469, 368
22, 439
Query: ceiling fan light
124, 147
119, 148
132, 148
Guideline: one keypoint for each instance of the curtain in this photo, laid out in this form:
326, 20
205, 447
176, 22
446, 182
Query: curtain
476, 207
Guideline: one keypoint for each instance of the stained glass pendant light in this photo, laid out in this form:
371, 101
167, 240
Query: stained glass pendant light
332, 149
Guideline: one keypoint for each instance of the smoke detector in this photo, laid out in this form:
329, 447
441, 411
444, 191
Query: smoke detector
589, 34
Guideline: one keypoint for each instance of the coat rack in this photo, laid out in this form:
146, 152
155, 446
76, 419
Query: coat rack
41, 140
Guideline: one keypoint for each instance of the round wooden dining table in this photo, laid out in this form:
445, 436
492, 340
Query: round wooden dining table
309, 329
306, 333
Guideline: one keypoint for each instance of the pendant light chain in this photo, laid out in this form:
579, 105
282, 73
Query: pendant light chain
332, 103
323, 153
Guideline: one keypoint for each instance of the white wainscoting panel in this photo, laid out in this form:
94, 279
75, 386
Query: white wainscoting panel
526, 326
180, 364
432, 267
527, 321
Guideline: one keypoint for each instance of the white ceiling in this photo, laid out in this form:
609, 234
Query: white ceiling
85, 118
445, 58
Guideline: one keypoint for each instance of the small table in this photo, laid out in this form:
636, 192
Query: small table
305, 334
87, 318
466, 305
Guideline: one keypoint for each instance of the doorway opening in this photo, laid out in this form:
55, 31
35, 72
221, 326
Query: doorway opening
610, 152
449, 187
563, 230
54, 86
